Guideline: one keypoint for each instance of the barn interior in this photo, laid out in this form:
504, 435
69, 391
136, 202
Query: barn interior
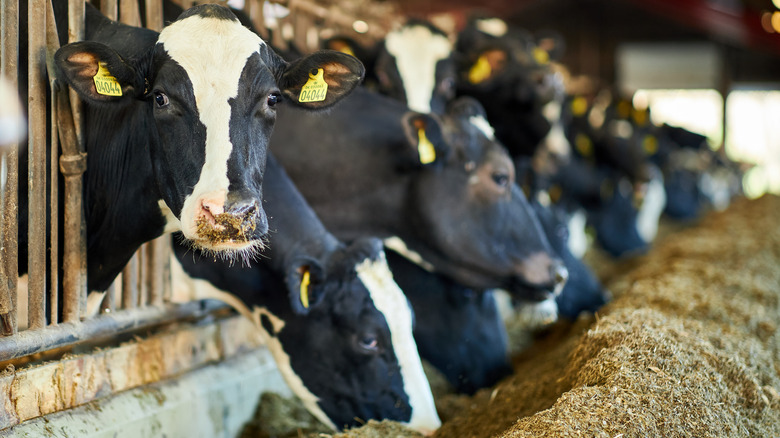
688, 344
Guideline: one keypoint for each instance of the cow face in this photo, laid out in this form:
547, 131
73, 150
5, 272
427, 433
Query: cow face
207, 93
510, 76
467, 206
351, 357
416, 67
459, 331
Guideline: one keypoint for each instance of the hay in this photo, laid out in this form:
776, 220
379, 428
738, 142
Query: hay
688, 348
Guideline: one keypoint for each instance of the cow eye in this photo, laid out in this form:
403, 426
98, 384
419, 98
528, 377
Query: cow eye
501, 179
368, 343
273, 99
160, 98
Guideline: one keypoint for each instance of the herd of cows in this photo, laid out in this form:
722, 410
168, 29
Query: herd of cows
365, 213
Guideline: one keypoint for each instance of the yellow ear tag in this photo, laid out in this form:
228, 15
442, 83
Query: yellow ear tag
480, 71
348, 50
584, 145
315, 88
305, 281
541, 56
640, 117
650, 144
106, 84
579, 106
425, 148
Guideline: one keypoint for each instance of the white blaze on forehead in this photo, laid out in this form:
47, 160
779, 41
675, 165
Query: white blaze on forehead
555, 141
417, 50
213, 53
578, 238
392, 303
652, 207
399, 246
483, 125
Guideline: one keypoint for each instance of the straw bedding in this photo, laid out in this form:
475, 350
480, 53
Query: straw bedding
689, 347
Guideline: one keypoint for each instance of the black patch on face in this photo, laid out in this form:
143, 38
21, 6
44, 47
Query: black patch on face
462, 334
327, 351
209, 11
268, 326
179, 157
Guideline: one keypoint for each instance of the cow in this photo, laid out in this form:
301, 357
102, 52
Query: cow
509, 74
458, 329
443, 185
176, 130
341, 335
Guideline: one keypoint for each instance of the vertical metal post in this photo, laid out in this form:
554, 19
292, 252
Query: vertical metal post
109, 8
154, 15
9, 38
130, 283
72, 164
52, 44
36, 175
128, 12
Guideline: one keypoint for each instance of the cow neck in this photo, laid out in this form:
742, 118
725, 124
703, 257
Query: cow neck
120, 194
295, 228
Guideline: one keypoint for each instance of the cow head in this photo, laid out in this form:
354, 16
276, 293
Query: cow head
470, 219
207, 91
351, 356
415, 66
510, 75
459, 331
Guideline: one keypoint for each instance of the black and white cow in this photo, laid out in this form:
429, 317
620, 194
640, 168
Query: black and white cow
414, 65
342, 333
177, 127
457, 329
444, 186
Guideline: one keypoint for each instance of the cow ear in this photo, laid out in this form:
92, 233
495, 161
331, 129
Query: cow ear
321, 79
97, 72
466, 108
304, 284
424, 134
486, 65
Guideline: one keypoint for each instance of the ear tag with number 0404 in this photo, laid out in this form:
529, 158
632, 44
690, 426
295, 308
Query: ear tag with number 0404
315, 88
106, 84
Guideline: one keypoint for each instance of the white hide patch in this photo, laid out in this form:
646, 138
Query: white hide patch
186, 288
392, 303
399, 246
555, 141
578, 239
484, 126
417, 50
492, 26
172, 223
652, 208
537, 315
213, 52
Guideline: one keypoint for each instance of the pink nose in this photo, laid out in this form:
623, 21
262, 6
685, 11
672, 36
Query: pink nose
209, 207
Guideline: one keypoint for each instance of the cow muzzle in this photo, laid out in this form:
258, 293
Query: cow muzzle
539, 277
231, 222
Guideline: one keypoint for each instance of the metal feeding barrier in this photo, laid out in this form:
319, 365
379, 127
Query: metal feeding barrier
57, 313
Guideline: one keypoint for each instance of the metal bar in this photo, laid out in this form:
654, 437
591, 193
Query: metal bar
154, 15
75, 222
72, 165
143, 290
157, 257
254, 8
128, 12
130, 283
52, 44
9, 38
36, 175
70, 333
109, 8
